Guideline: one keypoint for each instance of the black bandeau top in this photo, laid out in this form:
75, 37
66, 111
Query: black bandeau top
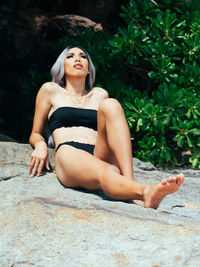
71, 116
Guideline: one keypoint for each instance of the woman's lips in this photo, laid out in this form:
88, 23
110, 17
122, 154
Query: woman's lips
78, 66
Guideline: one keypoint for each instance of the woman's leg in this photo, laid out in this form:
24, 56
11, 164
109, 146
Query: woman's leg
77, 168
113, 138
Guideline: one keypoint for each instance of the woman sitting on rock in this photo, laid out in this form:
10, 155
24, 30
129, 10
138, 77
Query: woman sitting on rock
92, 139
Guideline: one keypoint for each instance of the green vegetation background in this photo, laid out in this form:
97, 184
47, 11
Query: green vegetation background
152, 66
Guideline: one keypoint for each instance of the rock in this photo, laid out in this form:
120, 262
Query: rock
6, 138
146, 166
15, 154
71, 22
44, 224
106, 11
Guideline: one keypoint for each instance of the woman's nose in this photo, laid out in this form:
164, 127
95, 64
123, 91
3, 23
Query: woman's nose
77, 59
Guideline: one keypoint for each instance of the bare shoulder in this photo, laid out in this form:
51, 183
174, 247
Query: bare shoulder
49, 87
101, 92
47, 91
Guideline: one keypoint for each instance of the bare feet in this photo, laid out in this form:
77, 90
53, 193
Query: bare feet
154, 193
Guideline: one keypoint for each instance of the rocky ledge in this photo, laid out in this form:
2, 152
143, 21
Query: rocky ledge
44, 224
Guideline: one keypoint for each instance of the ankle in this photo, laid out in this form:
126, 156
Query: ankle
145, 191
140, 190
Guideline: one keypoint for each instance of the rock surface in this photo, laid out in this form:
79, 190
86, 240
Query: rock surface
44, 224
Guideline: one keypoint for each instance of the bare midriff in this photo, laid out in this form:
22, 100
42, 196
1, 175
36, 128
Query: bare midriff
77, 134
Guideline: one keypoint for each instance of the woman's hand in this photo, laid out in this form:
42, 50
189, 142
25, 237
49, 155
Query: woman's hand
39, 158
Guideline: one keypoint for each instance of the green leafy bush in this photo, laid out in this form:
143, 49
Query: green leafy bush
165, 39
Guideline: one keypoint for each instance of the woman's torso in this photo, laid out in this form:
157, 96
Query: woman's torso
63, 104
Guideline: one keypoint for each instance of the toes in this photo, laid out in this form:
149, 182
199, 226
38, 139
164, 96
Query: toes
164, 182
172, 179
169, 180
181, 176
180, 179
177, 179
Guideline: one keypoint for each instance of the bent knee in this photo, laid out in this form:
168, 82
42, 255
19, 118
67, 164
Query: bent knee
110, 106
115, 169
107, 172
111, 168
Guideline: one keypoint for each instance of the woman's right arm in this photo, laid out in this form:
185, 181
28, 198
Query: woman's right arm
39, 156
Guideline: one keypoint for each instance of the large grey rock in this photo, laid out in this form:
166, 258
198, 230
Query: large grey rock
13, 154
44, 224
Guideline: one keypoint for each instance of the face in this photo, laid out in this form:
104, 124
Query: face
76, 63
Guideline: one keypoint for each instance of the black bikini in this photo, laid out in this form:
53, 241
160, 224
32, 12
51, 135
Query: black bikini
71, 116
86, 147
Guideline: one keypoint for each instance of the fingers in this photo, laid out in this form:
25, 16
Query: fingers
40, 167
39, 157
47, 164
36, 166
32, 163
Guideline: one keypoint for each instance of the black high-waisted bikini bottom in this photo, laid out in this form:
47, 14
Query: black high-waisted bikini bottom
86, 147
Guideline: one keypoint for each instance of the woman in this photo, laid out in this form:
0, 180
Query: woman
86, 157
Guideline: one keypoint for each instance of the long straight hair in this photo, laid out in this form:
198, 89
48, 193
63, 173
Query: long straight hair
58, 72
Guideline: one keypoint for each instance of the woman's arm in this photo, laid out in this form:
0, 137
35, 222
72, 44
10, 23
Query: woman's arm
40, 157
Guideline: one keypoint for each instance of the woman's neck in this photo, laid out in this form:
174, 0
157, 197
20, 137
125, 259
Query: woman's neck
77, 86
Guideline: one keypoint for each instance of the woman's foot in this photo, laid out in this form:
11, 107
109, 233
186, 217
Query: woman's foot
154, 193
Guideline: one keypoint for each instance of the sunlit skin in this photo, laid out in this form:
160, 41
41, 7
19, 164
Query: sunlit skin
111, 166
76, 64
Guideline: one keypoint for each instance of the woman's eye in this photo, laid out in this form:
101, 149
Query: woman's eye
71, 56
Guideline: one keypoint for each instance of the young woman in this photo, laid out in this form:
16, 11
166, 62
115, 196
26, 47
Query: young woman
92, 139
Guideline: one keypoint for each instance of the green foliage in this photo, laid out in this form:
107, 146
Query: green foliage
166, 39
165, 125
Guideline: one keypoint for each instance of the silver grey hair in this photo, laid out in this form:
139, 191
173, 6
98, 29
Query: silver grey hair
58, 72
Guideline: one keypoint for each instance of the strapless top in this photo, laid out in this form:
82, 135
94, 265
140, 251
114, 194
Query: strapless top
71, 116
